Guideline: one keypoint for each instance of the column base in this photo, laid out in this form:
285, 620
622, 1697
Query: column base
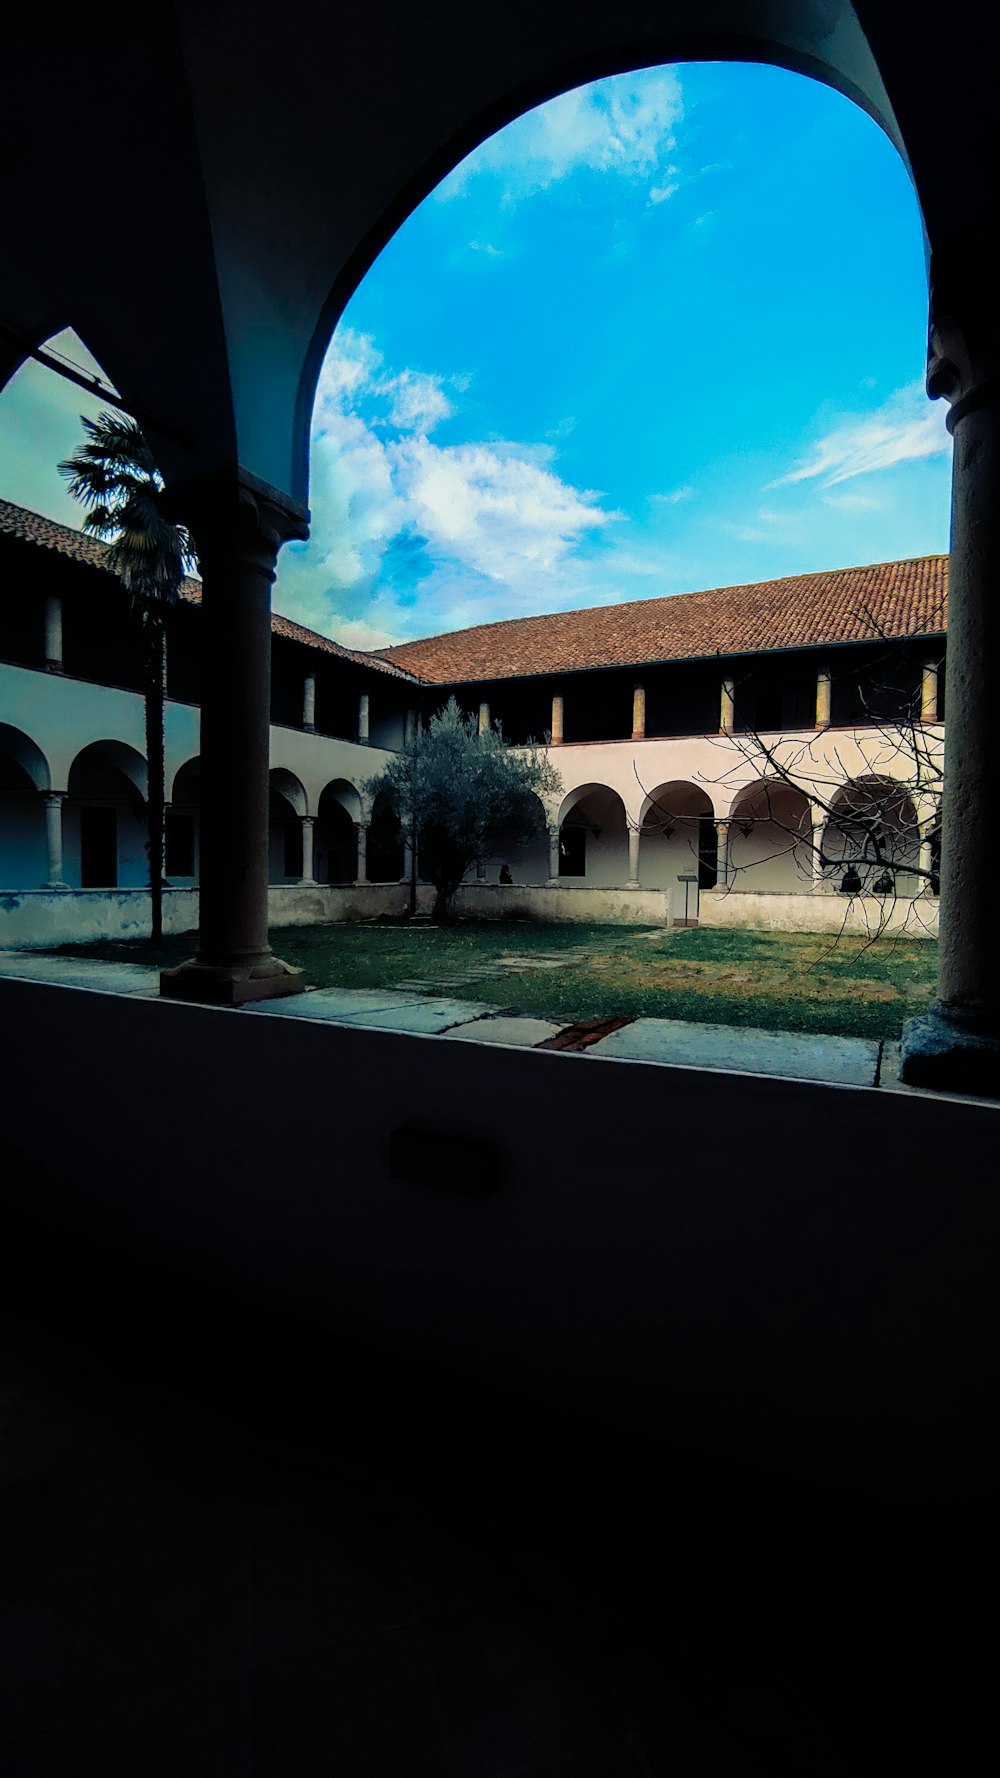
231, 984
953, 1052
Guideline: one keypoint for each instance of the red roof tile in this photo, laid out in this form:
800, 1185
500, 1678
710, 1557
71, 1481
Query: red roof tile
79, 546
894, 599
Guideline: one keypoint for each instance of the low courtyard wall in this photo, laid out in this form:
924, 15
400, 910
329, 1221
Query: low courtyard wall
760, 910
35, 918
40, 917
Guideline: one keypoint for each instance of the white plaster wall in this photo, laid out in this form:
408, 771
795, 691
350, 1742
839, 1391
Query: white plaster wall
768, 859
819, 913
661, 860
719, 764
39, 917
566, 901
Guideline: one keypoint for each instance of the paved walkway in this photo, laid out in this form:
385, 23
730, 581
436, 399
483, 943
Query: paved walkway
674, 1042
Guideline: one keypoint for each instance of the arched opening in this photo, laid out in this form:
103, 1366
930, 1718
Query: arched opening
677, 835
770, 839
286, 809
386, 852
24, 778
593, 837
182, 826
872, 839
527, 861
336, 832
105, 818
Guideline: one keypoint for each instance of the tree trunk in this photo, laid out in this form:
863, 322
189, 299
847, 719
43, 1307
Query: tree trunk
155, 639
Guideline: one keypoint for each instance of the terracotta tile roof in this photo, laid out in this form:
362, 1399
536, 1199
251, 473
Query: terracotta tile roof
31, 527
804, 611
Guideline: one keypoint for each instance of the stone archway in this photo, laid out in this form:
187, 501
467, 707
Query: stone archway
105, 818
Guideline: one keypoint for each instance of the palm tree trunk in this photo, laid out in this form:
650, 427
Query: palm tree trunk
155, 674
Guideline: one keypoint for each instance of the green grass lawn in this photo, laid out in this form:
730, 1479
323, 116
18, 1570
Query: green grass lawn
783, 981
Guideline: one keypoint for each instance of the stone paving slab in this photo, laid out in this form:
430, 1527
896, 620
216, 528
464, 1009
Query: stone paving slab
385, 1010
524, 1032
71, 972
849, 1061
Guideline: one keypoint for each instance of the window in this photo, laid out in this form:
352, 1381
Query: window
573, 852
179, 843
293, 849
98, 848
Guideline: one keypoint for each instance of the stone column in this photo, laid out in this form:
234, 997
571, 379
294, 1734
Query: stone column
557, 719
824, 686
633, 858
727, 707
309, 703
957, 1044
239, 524
722, 869
407, 862
484, 717
819, 821
929, 692
53, 633
554, 853
308, 854
361, 829
54, 800
480, 870
363, 719
639, 713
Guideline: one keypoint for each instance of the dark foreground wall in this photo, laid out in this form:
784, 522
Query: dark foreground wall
793, 1278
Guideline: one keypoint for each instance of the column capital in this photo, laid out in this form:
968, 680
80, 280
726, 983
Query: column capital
52, 798
963, 350
232, 509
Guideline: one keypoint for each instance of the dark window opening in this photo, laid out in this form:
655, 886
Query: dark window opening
98, 848
708, 852
179, 843
573, 852
293, 848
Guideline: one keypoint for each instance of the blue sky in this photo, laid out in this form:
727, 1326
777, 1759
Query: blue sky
666, 332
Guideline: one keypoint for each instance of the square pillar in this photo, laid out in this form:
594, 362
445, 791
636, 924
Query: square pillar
484, 718
53, 633
309, 703
557, 719
53, 800
633, 858
639, 713
727, 707
929, 692
363, 709
824, 687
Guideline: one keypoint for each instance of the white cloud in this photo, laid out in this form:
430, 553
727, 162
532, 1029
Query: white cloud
854, 502
904, 428
488, 248
624, 126
397, 514
674, 498
658, 194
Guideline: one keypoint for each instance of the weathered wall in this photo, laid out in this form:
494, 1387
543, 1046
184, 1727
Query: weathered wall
819, 913
613, 907
42, 917
824, 1323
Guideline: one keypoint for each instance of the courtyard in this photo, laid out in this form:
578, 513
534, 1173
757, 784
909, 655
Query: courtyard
770, 981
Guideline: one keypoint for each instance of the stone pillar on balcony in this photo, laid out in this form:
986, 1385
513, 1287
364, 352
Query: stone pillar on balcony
484, 717
929, 692
53, 633
557, 719
956, 1045
53, 800
309, 703
239, 524
638, 713
824, 689
633, 858
363, 713
727, 707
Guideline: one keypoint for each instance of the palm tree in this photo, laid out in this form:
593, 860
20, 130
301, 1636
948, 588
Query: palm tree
114, 474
